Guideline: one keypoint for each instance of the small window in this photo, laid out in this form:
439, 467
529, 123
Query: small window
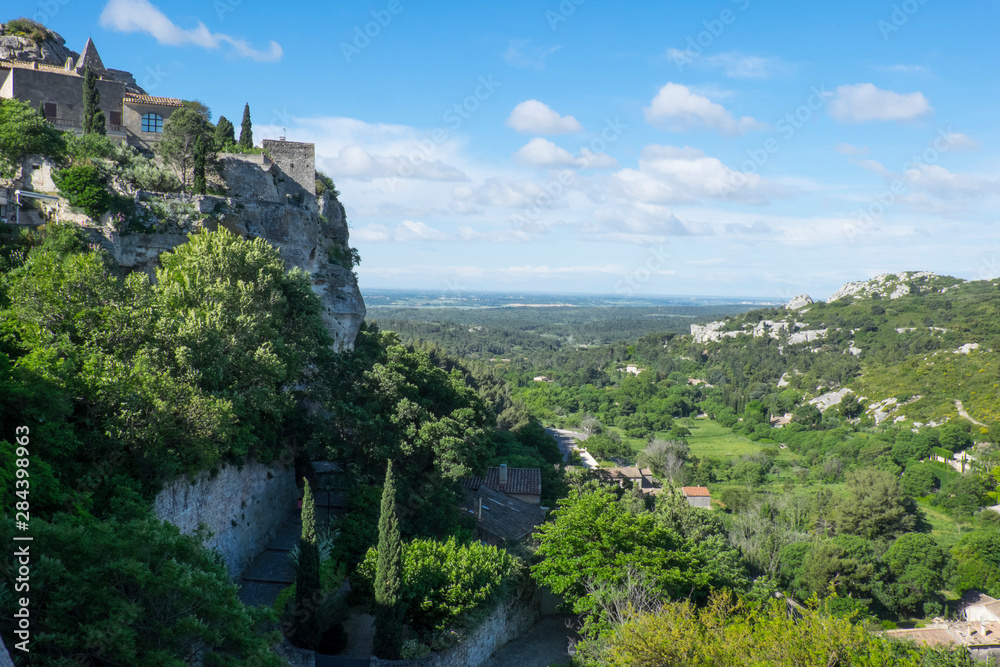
50, 109
116, 117
152, 122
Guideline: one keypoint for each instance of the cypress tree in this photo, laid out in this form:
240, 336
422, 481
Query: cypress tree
93, 117
246, 129
388, 577
225, 134
307, 584
200, 187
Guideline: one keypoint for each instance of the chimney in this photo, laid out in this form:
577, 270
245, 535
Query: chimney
503, 475
479, 517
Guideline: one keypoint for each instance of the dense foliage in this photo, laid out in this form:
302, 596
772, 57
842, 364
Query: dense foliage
444, 582
733, 633
132, 592
24, 132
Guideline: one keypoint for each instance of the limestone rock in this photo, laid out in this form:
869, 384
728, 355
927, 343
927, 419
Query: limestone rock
52, 51
800, 301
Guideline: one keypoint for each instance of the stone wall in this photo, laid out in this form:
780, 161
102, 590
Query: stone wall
242, 507
512, 618
297, 164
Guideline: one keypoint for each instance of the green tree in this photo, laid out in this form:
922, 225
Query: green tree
133, 592
876, 507
597, 540
225, 134
199, 186
246, 129
93, 116
307, 584
23, 132
850, 406
975, 563
388, 577
916, 564
85, 188
180, 135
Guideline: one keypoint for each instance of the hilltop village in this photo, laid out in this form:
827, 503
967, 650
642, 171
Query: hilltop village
223, 457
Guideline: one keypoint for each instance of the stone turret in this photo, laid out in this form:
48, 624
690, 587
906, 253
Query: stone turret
90, 58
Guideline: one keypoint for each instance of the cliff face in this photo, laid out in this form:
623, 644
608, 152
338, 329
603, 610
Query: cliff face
313, 238
51, 51
310, 232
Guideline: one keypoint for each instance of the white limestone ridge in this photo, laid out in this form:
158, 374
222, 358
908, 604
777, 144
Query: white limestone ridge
800, 301
888, 285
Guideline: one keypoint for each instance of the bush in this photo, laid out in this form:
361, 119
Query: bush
25, 27
444, 582
85, 188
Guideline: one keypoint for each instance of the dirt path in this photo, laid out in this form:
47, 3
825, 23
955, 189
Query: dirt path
965, 415
545, 644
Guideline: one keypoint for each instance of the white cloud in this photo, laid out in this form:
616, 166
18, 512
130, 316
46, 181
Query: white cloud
144, 16
541, 152
902, 69
848, 149
520, 53
735, 65
678, 109
864, 102
534, 117
356, 162
673, 175
406, 231
961, 143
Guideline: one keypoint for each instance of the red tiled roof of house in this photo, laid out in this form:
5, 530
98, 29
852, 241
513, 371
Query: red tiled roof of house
148, 99
696, 491
527, 481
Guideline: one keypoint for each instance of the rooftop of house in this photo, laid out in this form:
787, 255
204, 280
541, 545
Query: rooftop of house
973, 598
132, 98
526, 481
502, 516
695, 492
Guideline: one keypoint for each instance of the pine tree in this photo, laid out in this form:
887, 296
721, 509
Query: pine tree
388, 577
246, 129
225, 134
93, 117
200, 157
307, 584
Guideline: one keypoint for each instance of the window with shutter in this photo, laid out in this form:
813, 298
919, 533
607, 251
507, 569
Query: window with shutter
50, 109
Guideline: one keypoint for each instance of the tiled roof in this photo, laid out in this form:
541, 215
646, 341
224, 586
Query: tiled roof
41, 67
925, 636
527, 481
148, 99
695, 491
503, 516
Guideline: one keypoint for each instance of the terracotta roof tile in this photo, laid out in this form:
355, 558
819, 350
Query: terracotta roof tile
527, 481
695, 491
149, 99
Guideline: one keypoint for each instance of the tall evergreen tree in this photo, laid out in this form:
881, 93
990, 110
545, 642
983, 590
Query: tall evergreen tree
93, 117
246, 129
307, 584
388, 576
225, 134
200, 156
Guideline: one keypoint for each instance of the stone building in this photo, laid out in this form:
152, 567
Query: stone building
525, 484
697, 496
57, 90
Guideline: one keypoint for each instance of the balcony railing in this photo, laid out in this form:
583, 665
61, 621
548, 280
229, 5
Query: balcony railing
69, 123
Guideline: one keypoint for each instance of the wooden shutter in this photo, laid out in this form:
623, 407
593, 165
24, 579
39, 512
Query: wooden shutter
50, 109
116, 117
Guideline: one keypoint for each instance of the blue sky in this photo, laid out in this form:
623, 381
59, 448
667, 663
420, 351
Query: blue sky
730, 147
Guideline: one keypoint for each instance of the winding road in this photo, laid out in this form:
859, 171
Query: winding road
567, 444
965, 415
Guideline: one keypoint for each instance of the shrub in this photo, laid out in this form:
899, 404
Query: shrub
444, 582
28, 28
325, 184
84, 187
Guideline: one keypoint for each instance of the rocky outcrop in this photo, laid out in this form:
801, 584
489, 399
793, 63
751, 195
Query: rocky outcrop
310, 238
891, 285
51, 51
798, 302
